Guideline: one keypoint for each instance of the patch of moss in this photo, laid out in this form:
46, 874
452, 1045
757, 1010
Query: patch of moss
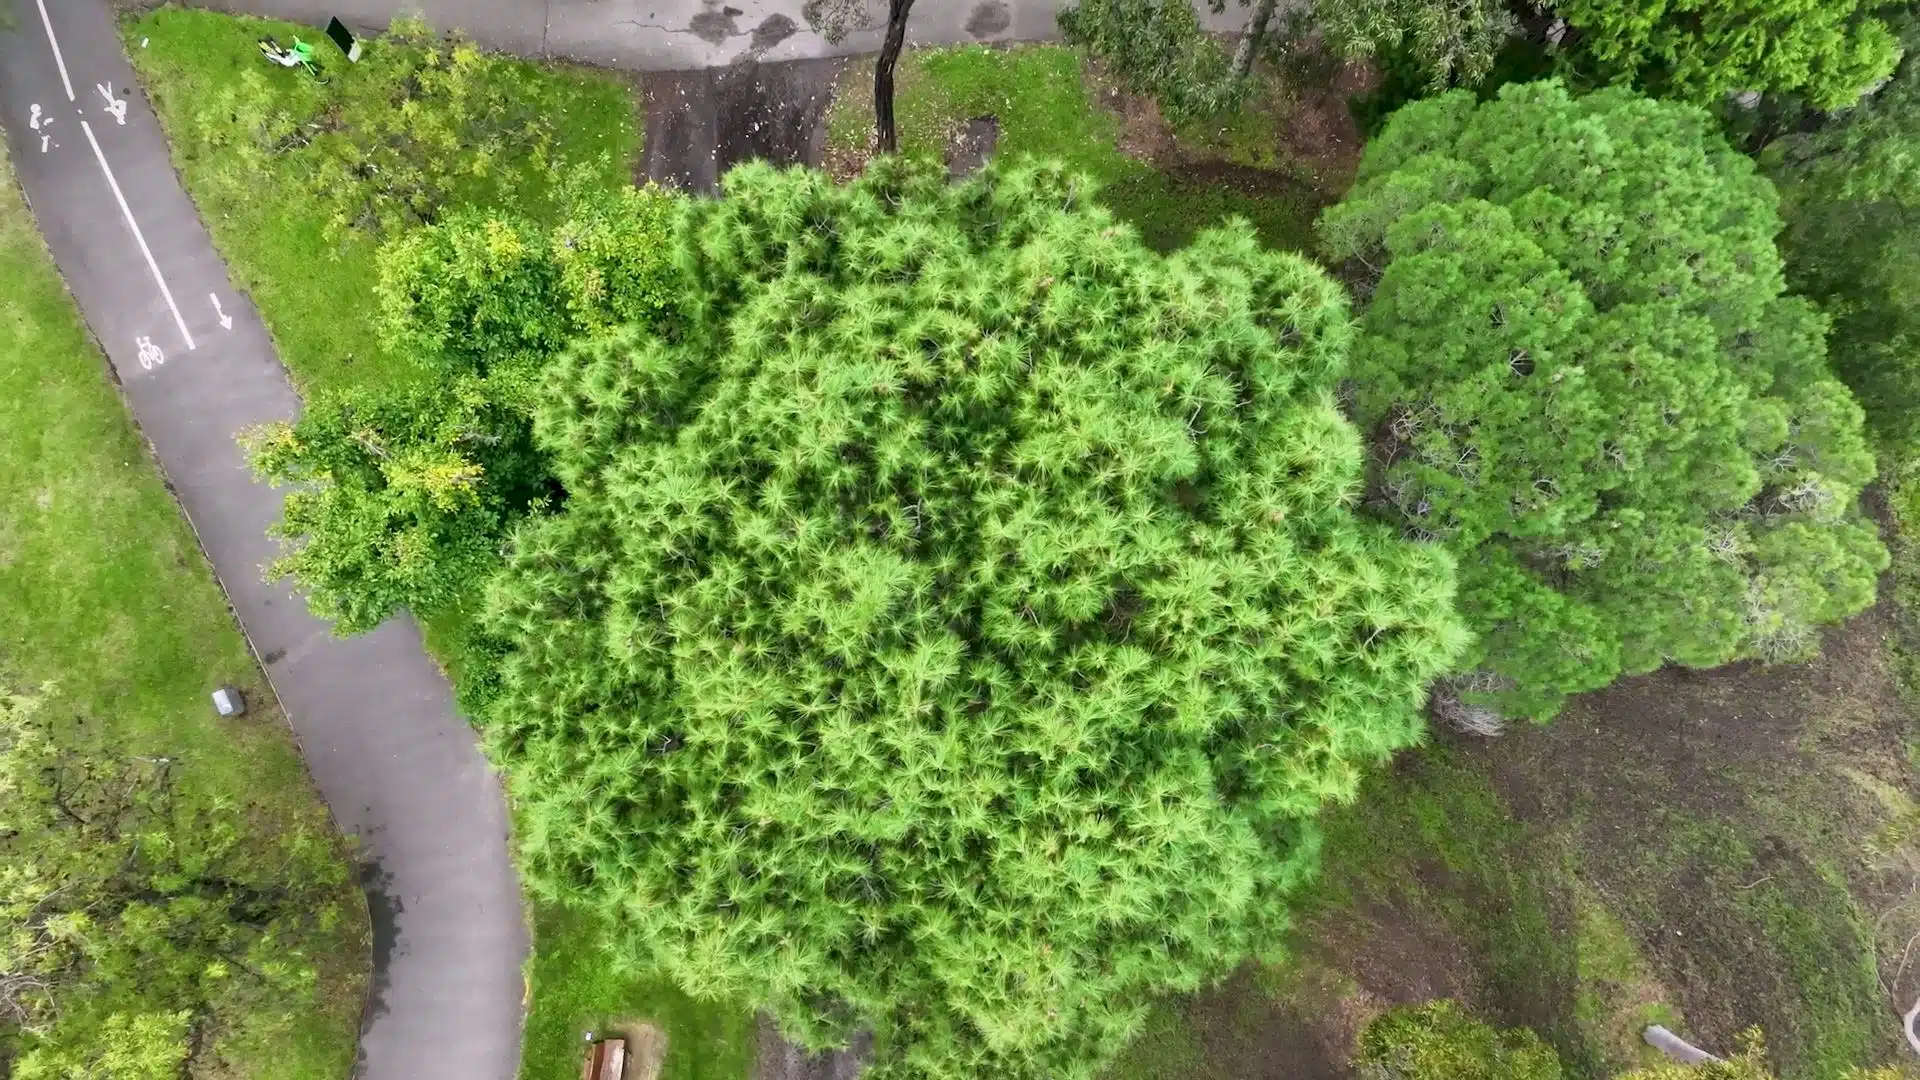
1039, 95
1617, 995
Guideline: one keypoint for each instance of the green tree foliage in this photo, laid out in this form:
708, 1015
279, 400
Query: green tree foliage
137, 914
1441, 1041
1851, 189
1830, 51
435, 123
1579, 372
401, 499
957, 630
1158, 48
1450, 42
403, 496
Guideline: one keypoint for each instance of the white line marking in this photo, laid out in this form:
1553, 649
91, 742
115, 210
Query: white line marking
226, 320
116, 107
137, 235
55, 42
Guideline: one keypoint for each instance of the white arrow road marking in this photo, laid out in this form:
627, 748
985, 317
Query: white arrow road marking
55, 42
117, 108
137, 235
226, 320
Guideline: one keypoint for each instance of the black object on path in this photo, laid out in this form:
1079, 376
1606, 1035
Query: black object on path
375, 718
343, 37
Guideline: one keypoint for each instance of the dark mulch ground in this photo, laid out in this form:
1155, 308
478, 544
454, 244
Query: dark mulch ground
701, 123
778, 1059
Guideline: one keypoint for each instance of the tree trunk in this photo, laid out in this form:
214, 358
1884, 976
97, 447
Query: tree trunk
885, 138
1250, 41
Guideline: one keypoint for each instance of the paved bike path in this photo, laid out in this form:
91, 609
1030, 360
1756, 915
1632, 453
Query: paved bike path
374, 716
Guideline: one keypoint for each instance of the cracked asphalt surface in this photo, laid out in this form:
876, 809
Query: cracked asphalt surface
375, 719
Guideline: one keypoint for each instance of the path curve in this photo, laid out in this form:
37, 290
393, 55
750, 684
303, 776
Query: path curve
375, 718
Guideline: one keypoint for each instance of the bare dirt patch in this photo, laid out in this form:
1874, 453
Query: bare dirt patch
779, 1059
1144, 134
646, 1048
702, 123
1715, 850
1245, 1034
1317, 129
1296, 124
1395, 955
969, 150
1739, 821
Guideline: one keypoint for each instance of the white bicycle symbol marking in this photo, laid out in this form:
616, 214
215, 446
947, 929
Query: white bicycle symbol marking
150, 355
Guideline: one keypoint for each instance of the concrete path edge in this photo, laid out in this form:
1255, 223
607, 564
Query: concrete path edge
374, 716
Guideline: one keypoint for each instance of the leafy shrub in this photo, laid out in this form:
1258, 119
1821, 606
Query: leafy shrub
958, 628
612, 255
401, 498
1831, 51
137, 911
1440, 1041
1445, 42
1579, 372
404, 496
1404, 77
422, 124
1852, 203
479, 295
1158, 48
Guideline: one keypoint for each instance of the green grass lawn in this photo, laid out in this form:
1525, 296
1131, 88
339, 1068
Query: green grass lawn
104, 591
314, 281
576, 990
1041, 95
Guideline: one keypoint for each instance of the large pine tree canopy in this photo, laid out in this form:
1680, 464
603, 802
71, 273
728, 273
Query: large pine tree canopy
955, 624
1579, 371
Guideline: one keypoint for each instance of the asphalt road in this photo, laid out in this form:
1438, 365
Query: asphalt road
374, 717
681, 35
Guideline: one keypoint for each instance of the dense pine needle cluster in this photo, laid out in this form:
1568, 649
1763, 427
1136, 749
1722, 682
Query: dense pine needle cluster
1580, 372
953, 628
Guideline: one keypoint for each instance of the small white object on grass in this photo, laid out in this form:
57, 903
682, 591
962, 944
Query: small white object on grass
1676, 1047
143, 43
229, 702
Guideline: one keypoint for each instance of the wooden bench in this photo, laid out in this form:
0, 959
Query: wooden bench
606, 1060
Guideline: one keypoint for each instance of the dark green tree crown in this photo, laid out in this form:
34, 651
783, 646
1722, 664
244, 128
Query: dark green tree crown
1580, 372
